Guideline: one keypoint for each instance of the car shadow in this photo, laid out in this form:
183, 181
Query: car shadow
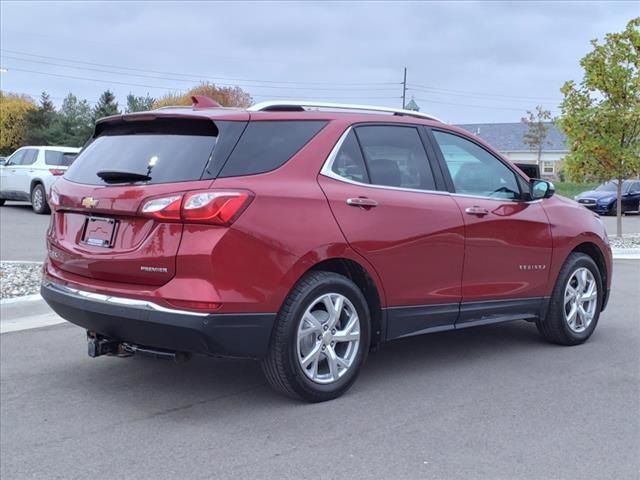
209, 383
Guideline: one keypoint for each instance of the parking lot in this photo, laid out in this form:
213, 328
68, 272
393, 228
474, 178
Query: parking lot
486, 403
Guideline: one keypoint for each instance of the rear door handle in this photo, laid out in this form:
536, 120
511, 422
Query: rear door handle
479, 211
362, 202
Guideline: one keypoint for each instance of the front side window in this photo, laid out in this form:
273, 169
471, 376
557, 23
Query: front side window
395, 157
474, 171
16, 158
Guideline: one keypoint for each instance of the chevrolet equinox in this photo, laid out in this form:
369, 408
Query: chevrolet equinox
304, 235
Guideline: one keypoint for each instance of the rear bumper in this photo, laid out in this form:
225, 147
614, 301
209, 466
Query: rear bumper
145, 323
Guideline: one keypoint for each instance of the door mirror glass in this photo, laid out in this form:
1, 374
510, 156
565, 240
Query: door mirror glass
541, 189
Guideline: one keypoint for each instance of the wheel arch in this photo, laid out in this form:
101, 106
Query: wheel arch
34, 182
347, 263
595, 253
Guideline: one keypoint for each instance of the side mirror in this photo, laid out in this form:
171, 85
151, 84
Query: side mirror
541, 189
3, 162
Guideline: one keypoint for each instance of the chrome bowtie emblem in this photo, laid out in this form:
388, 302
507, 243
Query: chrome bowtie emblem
89, 202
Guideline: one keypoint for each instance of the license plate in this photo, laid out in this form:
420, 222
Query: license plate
99, 232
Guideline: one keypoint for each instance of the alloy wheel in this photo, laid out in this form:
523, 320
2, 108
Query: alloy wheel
38, 199
580, 300
328, 338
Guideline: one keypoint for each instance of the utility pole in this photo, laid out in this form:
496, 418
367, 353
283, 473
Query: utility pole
404, 88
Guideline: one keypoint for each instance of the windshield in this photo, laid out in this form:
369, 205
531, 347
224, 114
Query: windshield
607, 187
613, 186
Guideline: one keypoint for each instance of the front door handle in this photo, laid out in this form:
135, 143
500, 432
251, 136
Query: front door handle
362, 202
475, 210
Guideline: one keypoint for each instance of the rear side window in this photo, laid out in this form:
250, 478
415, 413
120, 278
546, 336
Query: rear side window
396, 157
30, 157
59, 159
267, 145
166, 150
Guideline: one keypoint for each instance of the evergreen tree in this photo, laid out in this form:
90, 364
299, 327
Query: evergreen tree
39, 122
106, 106
139, 104
74, 123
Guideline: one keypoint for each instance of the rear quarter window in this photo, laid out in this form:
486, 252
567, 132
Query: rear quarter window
267, 145
59, 159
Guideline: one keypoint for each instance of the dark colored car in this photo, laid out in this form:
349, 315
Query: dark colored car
304, 235
603, 199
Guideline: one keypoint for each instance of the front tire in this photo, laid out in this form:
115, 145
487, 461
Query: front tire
39, 200
575, 304
320, 339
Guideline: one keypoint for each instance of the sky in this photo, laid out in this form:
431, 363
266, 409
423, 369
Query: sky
467, 62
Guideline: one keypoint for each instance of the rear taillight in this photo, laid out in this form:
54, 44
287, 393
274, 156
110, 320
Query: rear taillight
216, 207
56, 171
163, 208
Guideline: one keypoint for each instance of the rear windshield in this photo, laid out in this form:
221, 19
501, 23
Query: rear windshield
59, 159
167, 151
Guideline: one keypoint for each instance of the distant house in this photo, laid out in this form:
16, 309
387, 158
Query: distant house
507, 138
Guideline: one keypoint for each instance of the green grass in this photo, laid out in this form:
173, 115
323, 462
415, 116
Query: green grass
571, 189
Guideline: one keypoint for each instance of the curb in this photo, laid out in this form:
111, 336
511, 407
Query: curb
24, 298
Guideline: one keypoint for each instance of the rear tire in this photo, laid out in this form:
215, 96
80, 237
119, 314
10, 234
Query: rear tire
39, 200
575, 304
2, 200
315, 355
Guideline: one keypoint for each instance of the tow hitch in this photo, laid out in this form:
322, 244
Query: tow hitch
98, 345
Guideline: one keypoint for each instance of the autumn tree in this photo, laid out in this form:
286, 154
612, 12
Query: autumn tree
225, 96
13, 112
537, 123
601, 114
138, 103
106, 106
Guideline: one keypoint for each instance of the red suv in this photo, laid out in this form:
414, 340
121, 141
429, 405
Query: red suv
304, 235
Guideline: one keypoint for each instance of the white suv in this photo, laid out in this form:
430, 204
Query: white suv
28, 174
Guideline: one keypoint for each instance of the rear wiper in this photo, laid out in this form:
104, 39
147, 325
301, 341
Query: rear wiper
120, 176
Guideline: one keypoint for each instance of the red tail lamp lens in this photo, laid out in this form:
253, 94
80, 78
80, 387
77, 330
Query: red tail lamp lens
216, 207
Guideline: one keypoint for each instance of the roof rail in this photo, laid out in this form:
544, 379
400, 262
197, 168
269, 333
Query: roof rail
288, 105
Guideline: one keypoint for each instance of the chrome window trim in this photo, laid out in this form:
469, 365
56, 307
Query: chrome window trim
327, 171
112, 300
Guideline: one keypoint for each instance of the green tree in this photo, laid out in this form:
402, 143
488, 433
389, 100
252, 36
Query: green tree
13, 120
106, 106
39, 122
537, 123
139, 104
74, 123
601, 114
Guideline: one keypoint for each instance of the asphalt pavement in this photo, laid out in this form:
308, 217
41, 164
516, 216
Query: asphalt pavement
22, 231
492, 402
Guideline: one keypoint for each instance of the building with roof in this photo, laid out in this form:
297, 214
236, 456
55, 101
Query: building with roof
508, 139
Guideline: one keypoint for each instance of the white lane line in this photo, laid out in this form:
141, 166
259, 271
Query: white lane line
27, 323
